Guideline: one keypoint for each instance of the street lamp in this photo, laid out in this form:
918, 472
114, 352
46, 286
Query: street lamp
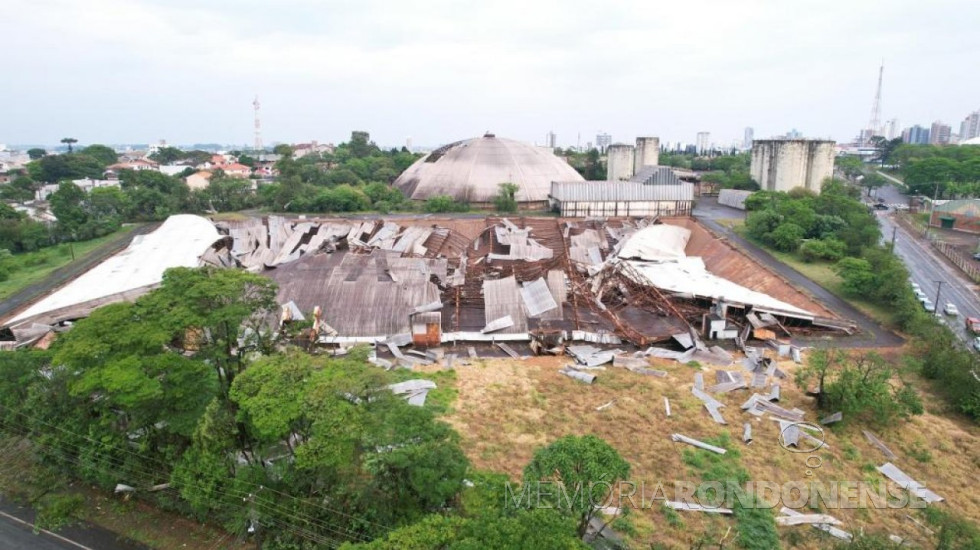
939, 289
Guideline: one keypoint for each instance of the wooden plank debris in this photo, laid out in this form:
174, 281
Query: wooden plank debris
833, 531
893, 473
667, 405
836, 417
606, 406
878, 443
747, 433
692, 507
699, 444
508, 350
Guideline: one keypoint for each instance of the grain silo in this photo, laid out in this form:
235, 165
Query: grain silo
619, 162
783, 164
647, 153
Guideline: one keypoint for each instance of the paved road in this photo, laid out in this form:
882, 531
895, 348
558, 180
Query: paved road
873, 334
16, 533
927, 268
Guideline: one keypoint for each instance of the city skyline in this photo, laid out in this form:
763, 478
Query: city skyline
189, 73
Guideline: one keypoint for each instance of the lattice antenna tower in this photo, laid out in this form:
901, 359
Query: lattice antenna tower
258, 125
874, 125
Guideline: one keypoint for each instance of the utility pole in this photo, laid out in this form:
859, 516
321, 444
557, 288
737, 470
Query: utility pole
894, 232
938, 290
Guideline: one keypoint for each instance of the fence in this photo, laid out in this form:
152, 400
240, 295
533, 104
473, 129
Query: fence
916, 227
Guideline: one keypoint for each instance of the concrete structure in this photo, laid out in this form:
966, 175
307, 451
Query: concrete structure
602, 141
619, 162
621, 199
551, 139
472, 170
734, 198
747, 140
647, 153
703, 143
916, 135
939, 133
970, 127
781, 165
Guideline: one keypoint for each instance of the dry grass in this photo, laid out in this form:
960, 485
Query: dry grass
506, 409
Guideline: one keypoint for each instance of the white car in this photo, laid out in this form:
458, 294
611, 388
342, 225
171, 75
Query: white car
916, 287
976, 343
950, 309
927, 305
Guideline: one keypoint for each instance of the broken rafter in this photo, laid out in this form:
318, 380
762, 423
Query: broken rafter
699, 444
879, 444
692, 507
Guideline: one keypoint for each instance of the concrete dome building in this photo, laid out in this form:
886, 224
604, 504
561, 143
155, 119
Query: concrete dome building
472, 170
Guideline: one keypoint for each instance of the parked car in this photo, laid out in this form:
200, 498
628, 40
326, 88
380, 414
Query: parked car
916, 287
950, 309
919, 295
880, 206
976, 255
973, 325
928, 305
976, 343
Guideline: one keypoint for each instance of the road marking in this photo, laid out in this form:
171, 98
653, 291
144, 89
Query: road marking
45, 531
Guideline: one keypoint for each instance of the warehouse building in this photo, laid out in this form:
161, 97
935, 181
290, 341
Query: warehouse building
621, 199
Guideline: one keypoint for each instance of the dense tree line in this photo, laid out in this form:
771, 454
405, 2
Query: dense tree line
836, 227
947, 172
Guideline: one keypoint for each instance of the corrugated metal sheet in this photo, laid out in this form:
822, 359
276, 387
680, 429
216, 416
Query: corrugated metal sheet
656, 175
502, 297
608, 191
537, 298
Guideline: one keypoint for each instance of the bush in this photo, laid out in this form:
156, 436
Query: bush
822, 249
445, 203
786, 237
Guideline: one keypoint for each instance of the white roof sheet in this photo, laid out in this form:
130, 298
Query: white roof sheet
689, 276
179, 242
656, 242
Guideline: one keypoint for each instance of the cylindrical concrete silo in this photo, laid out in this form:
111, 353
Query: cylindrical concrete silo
647, 153
619, 162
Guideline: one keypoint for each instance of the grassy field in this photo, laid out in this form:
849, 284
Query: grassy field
29, 268
506, 409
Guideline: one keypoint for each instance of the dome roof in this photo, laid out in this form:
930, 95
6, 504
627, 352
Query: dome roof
472, 170
971, 141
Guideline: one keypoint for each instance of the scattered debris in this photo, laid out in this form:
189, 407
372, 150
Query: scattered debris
472, 352
833, 531
892, 472
715, 414
648, 372
578, 375
878, 443
808, 519
591, 356
747, 433
696, 443
414, 391
508, 350
123, 488
606, 406
498, 324
774, 393
920, 524
629, 362
836, 417
698, 381
707, 399
692, 507
667, 405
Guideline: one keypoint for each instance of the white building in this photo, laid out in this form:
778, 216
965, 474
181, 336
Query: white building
784, 164
703, 144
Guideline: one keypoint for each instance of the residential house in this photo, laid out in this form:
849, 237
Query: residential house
199, 180
235, 170
137, 164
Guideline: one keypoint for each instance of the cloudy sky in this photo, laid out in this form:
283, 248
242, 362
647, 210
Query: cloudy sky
117, 71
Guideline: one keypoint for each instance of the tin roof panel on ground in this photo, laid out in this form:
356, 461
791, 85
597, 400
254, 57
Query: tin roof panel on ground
178, 242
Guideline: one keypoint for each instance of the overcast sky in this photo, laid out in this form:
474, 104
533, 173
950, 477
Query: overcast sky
116, 71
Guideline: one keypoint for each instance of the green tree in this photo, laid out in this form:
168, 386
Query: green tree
68, 205
505, 200
586, 469
167, 155
105, 155
69, 142
36, 153
20, 189
857, 276
283, 149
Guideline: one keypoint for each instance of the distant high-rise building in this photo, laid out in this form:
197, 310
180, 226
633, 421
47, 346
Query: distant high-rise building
970, 128
703, 143
408, 143
747, 140
893, 129
602, 141
794, 134
916, 135
551, 138
939, 133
